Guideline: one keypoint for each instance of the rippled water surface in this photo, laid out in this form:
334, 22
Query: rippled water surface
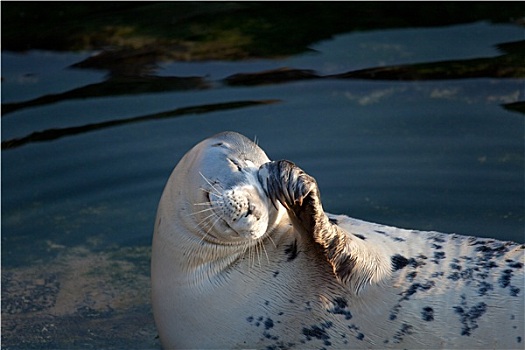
431, 155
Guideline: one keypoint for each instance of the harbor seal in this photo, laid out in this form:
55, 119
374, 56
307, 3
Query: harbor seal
244, 256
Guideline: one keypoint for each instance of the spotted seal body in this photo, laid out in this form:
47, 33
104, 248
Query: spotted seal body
245, 257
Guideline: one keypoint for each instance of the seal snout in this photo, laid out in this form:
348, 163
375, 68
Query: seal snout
242, 209
237, 206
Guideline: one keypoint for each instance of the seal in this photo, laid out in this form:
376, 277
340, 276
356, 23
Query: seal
244, 256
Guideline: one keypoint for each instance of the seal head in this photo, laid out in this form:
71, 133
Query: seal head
230, 206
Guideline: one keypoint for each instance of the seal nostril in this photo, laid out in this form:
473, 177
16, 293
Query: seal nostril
249, 211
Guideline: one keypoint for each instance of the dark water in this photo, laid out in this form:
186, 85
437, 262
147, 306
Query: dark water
429, 155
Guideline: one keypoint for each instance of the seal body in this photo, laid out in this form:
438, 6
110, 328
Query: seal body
244, 257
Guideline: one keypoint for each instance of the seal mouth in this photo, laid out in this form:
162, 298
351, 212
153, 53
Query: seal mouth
238, 216
218, 216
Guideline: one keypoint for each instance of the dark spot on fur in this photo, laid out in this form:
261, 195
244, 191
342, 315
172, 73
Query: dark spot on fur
518, 340
438, 256
504, 279
291, 251
308, 306
360, 336
218, 144
333, 221
489, 265
394, 312
417, 262
275, 273
467, 274
454, 276
359, 236
496, 250
411, 276
280, 345
438, 240
395, 239
398, 262
436, 246
414, 288
269, 336
514, 291
454, 266
340, 302
514, 264
268, 323
417, 287
405, 329
340, 308
468, 316
484, 288
483, 275
427, 314
318, 333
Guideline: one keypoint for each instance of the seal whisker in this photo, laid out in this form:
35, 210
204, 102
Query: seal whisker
210, 228
247, 252
202, 223
255, 253
258, 251
200, 211
250, 254
212, 186
211, 192
271, 240
203, 203
260, 242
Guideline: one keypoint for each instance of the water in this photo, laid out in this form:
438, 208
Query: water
434, 155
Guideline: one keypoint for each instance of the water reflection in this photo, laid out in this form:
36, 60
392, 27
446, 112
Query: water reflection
53, 134
77, 212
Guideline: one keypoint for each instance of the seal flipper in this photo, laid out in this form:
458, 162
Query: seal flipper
299, 194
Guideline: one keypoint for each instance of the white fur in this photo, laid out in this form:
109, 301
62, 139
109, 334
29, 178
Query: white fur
217, 287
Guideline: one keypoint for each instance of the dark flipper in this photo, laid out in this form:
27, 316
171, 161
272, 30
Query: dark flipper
299, 194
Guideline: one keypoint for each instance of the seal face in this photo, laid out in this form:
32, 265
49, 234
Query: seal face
244, 256
223, 194
241, 205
